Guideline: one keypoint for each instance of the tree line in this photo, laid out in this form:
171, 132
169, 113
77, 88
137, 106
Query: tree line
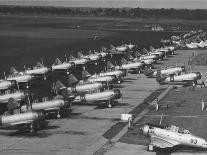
197, 14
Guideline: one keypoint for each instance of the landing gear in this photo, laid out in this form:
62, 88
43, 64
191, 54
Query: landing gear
110, 103
58, 114
32, 128
150, 148
44, 78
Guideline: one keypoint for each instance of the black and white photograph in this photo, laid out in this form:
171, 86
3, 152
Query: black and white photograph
103, 77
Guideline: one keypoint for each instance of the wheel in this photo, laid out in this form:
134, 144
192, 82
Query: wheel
150, 148
109, 104
32, 128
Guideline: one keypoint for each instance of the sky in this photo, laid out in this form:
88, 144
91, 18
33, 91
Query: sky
189, 4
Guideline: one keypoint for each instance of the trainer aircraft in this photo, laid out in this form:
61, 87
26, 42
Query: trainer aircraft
20, 77
62, 66
39, 70
165, 72
178, 79
133, 66
57, 105
171, 136
107, 97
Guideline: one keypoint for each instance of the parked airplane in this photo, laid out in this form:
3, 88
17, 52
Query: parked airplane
65, 66
133, 66
78, 61
16, 95
20, 77
171, 136
76, 88
57, 105
189, 77
112, 79
109, 97
118, 73
165, 72
30, 119
39, 70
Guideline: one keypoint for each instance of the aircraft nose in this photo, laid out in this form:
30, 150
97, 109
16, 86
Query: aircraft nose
117, 94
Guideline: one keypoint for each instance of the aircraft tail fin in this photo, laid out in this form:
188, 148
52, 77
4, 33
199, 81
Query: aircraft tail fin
85, 74
123, 61
144, 51
39, 64
60, 89
112, 46
72, 80
148, 72
151, 48
130, 57
57, 62
159, 76
13, 70
109, 65
80, 55
71, 58
137, 54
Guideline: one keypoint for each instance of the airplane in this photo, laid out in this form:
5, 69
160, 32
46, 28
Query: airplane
118, 73
87, 77
20, 77
108, 97
57, 105
189, 77
65, 66
78, 61
38, 70
5, 85
16, 95
78, 88
30, 119
171, 136
134, 66
165, 72
145, 57
94, 58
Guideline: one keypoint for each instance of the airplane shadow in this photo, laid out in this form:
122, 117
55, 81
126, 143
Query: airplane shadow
179, 149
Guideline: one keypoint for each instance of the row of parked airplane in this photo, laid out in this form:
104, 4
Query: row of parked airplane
91, 89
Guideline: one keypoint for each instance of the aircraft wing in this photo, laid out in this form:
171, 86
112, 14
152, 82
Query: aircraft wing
163, 143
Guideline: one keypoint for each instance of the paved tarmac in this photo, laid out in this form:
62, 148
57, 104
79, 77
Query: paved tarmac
82, 132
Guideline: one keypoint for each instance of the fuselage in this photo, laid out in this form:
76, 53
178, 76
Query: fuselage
176, 137
85, 88
37, 71
18, 95
54, 104
183, 77
19, 119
